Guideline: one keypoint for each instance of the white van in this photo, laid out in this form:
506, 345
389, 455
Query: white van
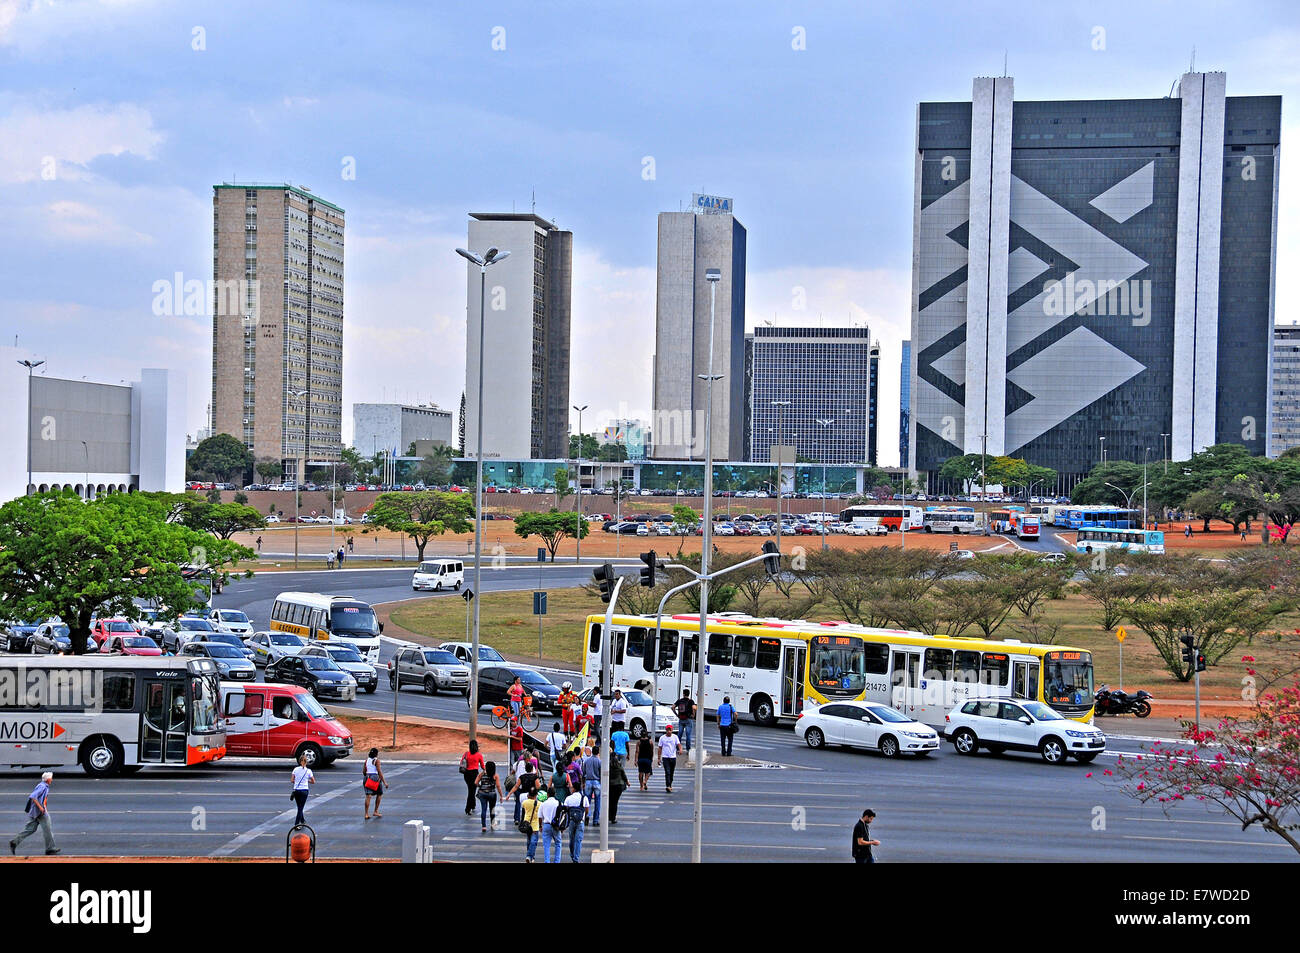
437, 574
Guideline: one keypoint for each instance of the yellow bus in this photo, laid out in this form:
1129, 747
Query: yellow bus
312, 615
774, 668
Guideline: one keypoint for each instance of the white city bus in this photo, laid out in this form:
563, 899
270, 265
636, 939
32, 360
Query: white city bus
952, 521
891, 515
1132, 540
315, 616
108, 713
771, 669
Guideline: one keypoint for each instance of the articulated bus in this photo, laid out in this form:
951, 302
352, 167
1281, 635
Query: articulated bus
1025, 525
1133, 540
892, 516
342, 618
951, 521
110, 714
773, 669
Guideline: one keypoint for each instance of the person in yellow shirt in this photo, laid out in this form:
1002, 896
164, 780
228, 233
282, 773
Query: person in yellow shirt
531, 816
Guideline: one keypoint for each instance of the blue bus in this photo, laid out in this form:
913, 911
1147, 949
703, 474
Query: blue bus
1099, 517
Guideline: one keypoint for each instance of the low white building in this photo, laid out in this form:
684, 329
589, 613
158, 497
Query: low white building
90, 437
394, 427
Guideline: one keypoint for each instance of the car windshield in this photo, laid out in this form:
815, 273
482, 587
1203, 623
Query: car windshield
121, 627
286, 639
343, 653
888, 714
1042, 712
226, 637
219, 650
311, 706
489, 654
532, 678
639, 699
232, 615
439, 657
315, 663
60, 632
139, 642
196, 625
357, 620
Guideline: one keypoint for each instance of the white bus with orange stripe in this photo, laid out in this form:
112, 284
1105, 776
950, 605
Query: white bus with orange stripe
110, 714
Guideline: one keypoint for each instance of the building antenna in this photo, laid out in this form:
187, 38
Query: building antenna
1004, 64
1192, 68
534, 201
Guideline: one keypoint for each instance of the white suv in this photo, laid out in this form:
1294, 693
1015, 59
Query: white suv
1000, 724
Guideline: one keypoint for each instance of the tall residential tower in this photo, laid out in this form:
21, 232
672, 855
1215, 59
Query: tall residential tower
277, 326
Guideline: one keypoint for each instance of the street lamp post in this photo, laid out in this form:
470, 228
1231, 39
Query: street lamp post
1164, 444
1146, 453
490, 257
31, 366
825, 424
86, 449
1103, 451
578, 479
1128, 498
713, 276
780, 406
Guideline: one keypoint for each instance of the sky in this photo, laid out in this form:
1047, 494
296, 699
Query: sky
118, 116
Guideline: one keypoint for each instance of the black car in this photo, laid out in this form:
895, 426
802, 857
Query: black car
494, 684
318, 675
18, 637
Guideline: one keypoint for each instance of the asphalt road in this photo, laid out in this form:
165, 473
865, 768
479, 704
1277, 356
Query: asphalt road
801, 809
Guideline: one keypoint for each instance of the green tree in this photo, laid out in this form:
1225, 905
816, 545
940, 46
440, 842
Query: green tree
590, 446
552, 527
963, 469
222, 520
562, 485
60, 556
1218, 621
435, 468
422, 515
269, 470
221, 457
611, 453
353, 467
1092, 490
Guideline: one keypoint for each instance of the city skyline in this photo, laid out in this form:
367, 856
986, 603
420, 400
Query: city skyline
132, 160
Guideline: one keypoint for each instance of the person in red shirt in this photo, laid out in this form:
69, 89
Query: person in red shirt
516, 741
585, 718
471, 763
568, 700
516, 693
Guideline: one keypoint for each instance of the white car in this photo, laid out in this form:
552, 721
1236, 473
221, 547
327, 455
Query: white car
866, 725
723, 529
269, 647
663, 529
639, 706
961, 554
273, 519
1000, 724
231, 620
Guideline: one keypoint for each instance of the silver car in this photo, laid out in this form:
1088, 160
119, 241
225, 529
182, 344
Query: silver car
232, 665
346, 658
432, 669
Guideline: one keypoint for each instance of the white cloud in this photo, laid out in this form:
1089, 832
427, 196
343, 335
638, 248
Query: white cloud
60, 144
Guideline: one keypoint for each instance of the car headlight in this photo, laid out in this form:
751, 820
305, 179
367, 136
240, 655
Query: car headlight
1080, 734
337, 740
223, 666
915, 734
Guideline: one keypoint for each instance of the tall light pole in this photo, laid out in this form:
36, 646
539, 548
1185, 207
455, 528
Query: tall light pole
1103, 451
780, 406
1164, 443
31, 366
1128, 497
578, 479
294, 397
825, 425
1145, 454
86, 448
490, 257
713, 276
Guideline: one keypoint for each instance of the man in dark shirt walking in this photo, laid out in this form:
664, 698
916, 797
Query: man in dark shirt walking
862, 842
38, 811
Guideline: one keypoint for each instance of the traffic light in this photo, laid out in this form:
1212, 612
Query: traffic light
1189, 648
772, 562
648, 572
604, 576
1200, 662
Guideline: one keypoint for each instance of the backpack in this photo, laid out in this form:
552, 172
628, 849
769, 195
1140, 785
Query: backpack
561, 822
684, 708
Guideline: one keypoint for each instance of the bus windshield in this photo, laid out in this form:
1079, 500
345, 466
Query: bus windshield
354, 620
837, 666
1067, 678
203, 712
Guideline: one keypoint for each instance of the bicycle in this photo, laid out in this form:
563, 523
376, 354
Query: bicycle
502, 716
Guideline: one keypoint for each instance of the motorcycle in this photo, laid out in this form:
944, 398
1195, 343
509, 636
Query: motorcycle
1115, 702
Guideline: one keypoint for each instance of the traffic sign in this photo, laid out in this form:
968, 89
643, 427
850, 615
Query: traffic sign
539, 603
1121, 634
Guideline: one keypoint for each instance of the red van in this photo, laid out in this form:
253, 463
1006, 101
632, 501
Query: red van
281, 721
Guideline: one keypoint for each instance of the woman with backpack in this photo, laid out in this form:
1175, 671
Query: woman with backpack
372, 781
471, 762
488, 786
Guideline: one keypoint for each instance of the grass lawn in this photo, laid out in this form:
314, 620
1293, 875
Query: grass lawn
508, 625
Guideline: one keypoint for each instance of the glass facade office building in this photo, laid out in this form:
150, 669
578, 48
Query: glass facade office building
1092, 269
801, 375
904, 405
1286, 389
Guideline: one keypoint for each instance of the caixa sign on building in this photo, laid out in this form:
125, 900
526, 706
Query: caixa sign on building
711, 204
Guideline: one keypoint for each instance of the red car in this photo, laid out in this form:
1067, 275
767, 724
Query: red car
104, 629
130, 645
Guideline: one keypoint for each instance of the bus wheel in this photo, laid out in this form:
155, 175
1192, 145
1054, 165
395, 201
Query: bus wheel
889, 746
101, 756
763, 711
965, 742
313, 754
